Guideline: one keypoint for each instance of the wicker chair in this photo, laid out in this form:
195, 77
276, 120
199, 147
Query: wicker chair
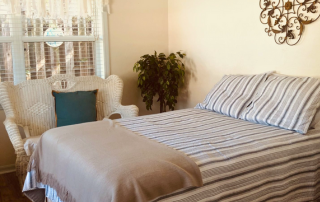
30, 105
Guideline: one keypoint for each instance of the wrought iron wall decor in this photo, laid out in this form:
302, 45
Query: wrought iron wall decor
286, 19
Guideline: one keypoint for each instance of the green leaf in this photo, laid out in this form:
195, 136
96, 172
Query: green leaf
162, 55
180, 55
159, 75
145, 56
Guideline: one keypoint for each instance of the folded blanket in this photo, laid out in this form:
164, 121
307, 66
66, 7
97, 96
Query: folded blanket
102, 161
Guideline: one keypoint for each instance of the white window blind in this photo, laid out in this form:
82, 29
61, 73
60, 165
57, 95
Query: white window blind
42, 38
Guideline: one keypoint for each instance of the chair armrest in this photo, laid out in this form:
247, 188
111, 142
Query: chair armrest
14, 135
127, 111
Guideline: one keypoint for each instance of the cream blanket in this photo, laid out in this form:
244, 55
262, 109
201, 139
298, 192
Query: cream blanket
102, 161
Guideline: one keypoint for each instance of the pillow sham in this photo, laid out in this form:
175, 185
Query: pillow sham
231, 95
75, 107
286, 102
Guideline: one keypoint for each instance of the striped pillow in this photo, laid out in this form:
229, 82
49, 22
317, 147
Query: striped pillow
286, 102
232, 94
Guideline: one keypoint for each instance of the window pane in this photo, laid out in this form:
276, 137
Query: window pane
43, 60
75, 26
4, 19
4, 27
6, 73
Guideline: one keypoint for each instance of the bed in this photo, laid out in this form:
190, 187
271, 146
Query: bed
239, 160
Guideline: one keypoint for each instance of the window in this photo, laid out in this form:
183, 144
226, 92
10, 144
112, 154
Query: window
42, 38
6, 73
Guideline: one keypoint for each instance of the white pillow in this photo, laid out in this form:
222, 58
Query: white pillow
232, 94
286, 102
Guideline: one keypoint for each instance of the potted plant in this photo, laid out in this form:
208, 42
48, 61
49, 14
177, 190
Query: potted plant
160, 75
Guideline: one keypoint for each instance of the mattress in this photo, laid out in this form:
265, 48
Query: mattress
238, 160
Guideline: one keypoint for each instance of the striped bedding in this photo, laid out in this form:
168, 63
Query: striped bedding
238, 160
232, 94
286, 102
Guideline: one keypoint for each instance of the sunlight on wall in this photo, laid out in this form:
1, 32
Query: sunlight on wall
226, 37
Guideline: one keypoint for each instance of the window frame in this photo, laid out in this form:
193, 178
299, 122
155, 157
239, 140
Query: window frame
17, 41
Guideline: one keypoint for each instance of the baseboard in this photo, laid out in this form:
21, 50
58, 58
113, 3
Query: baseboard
7, 169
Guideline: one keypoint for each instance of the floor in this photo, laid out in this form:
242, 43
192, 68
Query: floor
10, 190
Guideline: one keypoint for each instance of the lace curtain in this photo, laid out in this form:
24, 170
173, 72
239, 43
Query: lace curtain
51, 8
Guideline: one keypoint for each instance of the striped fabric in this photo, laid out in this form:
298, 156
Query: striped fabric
286, 102
232, 94
239, 160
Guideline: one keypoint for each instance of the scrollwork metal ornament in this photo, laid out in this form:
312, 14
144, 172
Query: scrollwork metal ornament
286, 19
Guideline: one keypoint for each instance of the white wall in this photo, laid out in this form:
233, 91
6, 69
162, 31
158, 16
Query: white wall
226, 37
136, 27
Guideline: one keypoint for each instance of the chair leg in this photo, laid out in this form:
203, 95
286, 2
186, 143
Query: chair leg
22, 162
